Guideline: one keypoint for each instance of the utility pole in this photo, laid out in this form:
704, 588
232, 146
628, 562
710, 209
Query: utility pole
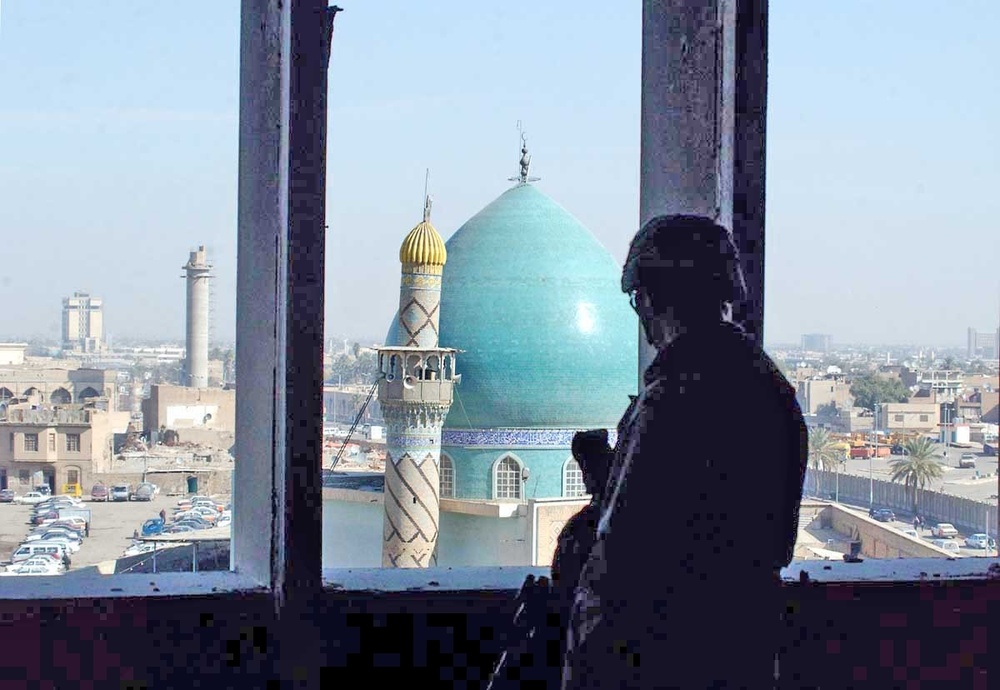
871, 462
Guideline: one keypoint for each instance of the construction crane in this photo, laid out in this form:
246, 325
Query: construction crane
354, 426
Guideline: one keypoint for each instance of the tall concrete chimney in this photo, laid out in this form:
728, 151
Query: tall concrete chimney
196, 357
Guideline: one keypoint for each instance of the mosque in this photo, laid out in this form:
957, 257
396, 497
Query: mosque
519, 336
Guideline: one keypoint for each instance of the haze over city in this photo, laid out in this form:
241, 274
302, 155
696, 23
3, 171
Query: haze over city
118, 126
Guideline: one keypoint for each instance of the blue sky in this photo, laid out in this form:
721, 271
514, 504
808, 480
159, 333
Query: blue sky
118, 153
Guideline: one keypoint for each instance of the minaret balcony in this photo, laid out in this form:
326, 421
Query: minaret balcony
417, 374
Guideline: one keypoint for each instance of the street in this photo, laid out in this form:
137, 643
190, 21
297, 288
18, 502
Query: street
955, 481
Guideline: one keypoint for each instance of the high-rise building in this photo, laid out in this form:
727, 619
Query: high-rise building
982, 345
82, 323
816, 342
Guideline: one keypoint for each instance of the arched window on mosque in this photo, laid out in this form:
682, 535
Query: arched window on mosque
447, 477
507, 478
572, 483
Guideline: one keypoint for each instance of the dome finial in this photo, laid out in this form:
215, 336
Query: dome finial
523, 178
427, 199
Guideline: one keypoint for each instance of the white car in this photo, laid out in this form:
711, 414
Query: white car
948, 545
69, 497
69, 545
31, 570
52, 533
977, 541
43, 562
136, 549
25, 551
32, 497
944, 529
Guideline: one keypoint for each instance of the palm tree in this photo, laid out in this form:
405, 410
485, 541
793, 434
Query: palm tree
823, 452
916, 467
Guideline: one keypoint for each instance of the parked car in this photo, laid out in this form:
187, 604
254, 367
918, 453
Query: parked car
32, 497
30, 570
143, 492
947, 544
883, 515
72, 490
53, 533
70, 545
44, 489
7, 495
71, 522
224, 520
53, 564
176, 529
977, 541
56, 502
100, 493
944, 529
120, 492
136, 549
39, 518
25, 551
967, 460
74, 524
206, 513
152, 526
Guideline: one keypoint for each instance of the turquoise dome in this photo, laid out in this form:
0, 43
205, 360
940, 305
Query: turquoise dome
534, 301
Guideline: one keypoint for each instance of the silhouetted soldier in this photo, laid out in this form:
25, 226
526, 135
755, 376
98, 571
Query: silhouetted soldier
681, 588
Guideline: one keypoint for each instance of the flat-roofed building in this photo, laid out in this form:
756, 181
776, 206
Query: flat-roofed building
56, 445
909, 416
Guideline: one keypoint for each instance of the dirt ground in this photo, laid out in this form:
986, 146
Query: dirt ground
111, 528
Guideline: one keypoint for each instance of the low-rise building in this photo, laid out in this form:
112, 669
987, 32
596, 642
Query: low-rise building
56, 445
181, 407
12, 354
58, 386
909, 417
820, 392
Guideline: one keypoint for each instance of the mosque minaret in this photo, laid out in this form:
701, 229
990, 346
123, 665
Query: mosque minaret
415, 392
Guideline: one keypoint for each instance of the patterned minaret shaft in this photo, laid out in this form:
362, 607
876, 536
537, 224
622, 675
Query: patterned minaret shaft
415, 393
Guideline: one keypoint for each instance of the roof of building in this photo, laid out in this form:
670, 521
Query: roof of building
533, 299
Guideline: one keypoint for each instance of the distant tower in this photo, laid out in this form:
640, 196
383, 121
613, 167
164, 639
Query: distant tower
196, 359
415, 393
82, 323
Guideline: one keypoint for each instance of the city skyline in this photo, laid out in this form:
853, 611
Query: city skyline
126, 165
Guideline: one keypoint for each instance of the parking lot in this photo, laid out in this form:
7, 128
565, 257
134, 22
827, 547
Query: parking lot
111, 527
